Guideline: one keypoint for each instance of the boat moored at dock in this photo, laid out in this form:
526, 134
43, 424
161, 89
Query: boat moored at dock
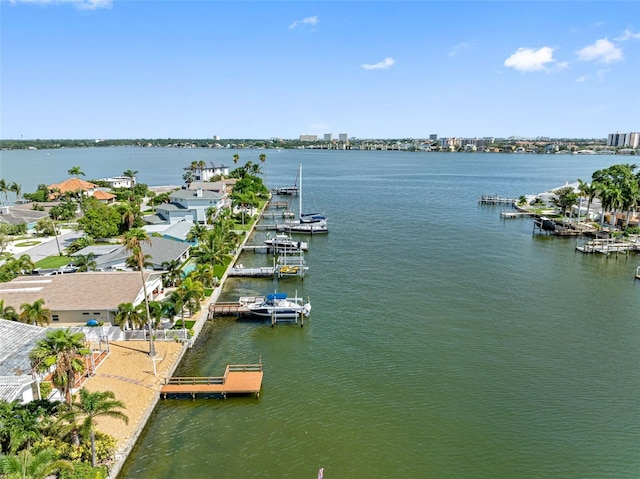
276, 307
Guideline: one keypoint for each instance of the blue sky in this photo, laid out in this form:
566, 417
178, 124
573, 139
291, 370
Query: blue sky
195, 69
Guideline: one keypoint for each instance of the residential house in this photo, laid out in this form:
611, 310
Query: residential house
114, 257
21, 214
72, 185
16, 342
104, 197
203, 171
74, 299
120, 181
187, 205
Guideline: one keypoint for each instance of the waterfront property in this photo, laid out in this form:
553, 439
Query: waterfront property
114, 256
188, 205
74, 299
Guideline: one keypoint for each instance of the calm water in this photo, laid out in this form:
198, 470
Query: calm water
443, 341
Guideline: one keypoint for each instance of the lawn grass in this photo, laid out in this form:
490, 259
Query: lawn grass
188, 324
51, 262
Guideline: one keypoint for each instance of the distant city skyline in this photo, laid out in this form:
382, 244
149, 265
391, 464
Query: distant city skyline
109, 69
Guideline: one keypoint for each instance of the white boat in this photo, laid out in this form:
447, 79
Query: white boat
276, 306
309, 228
310, 223
284, 243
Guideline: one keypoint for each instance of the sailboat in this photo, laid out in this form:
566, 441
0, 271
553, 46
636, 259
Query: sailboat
311, 223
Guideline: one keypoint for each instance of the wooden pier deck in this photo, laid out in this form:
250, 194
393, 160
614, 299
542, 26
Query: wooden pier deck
264, 272
516, 214
496, 200
607, 246
237, 379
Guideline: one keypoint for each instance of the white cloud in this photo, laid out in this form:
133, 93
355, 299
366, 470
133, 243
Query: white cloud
581, 79
602, 51
305, 21
79, 4
383, 65
602, 73
457, 48
628, 35
531, 60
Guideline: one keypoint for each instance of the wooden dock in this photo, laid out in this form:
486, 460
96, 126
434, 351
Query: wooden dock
237, 379
607, 246
496, 200
264, 272
516, 214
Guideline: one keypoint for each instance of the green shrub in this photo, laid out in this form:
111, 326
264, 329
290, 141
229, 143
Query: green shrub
45, 389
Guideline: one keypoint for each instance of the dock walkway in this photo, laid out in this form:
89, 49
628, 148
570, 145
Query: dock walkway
237, 379
496, 200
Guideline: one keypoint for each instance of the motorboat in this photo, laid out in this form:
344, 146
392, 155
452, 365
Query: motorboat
283, 243
276, 306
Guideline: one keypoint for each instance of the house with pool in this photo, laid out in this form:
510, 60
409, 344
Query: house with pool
188, 205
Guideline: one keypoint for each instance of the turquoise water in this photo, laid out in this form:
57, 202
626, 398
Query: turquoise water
188, 267
443, 341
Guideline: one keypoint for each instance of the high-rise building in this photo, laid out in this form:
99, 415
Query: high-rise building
343, 137
308, 137
624, 140
328, 137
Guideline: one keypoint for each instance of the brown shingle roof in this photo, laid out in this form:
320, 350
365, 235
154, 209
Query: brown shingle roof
75, 291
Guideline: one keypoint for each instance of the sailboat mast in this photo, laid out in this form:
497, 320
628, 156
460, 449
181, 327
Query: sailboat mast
300, 193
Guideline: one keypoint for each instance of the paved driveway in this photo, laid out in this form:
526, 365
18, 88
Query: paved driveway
48, 247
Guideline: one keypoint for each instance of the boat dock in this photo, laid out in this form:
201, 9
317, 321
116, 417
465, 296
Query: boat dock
241, 271
516, 214
237, 379
607, 246
496, 200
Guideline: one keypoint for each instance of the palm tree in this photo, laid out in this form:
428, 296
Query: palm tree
25, 428
263, 160
133, 241
174, 275
8, 312
86, 262
4, 188
155, 308
196, 232
191, 292
17, 189
128, 315
589, 191
236, 158
91, 405
188, 176
25, 465
35, 313
75, 171
213, 248
128, 215
173, 305
203, 273
63, 349
131, 174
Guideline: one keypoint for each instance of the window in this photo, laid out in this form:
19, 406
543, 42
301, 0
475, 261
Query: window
55, 317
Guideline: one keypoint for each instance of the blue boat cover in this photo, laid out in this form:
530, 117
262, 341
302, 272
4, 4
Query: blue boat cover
273, 296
